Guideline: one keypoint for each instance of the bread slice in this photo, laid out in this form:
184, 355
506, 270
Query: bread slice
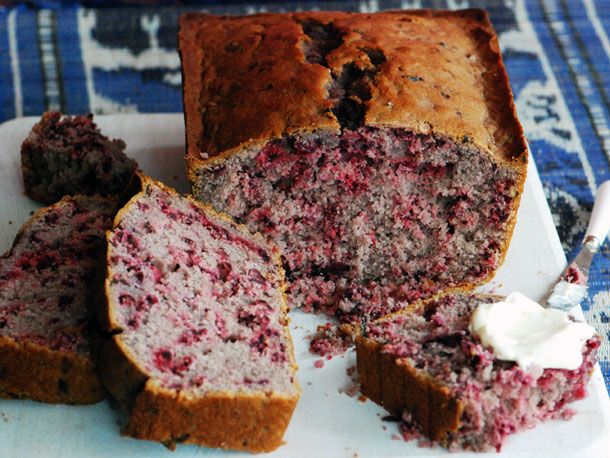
380, 152
424, 366
201, 352
68, 155
45, 288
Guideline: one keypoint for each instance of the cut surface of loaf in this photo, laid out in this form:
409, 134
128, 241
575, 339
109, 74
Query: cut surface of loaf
425, 366
380, 152
68, 155
201, 351
46, 281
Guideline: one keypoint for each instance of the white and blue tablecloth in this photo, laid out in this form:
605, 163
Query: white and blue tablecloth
114, 59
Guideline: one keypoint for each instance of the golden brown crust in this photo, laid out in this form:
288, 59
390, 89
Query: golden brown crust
286, 92
255, 422
119, 373
223, 420
31, 371
458, 89
397, 387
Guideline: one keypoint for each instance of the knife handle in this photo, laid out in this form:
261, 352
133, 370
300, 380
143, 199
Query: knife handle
599, 224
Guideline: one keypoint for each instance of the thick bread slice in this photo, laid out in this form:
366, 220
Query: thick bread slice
45, 289
200, 349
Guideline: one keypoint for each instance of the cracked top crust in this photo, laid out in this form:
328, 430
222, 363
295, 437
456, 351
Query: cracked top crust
248, 80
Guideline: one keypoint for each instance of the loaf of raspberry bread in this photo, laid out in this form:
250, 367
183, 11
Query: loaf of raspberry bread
380, 152
68, 155
46, 281
423, 365
201, 352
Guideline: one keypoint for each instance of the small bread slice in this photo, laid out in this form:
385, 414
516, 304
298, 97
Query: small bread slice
200, 349
45, 287
69, 155
424, 365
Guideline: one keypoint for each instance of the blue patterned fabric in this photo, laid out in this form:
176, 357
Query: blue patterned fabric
557, 52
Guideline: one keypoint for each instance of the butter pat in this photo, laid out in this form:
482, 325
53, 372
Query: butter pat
519, 329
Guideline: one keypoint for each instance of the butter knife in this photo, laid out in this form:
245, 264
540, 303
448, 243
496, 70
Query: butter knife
572, 285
